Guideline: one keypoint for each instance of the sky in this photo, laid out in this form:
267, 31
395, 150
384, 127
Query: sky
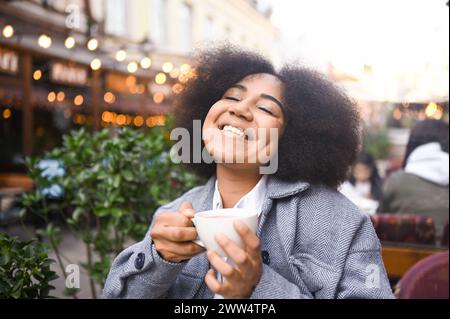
402, 40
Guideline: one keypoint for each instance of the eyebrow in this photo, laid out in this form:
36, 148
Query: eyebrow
264, 96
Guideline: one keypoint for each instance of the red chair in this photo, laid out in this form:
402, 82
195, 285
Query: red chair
444, 238
404, 228
428, 279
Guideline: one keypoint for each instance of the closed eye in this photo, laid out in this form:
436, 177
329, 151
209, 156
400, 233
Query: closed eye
232, 98
265, 109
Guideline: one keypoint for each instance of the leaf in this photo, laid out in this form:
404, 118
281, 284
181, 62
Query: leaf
127, 175
117, 212
77, 214
22, 213
116, 181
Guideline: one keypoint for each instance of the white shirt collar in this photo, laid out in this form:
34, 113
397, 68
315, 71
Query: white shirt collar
253, 199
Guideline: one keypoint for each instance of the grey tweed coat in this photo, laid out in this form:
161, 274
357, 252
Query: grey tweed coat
314, 242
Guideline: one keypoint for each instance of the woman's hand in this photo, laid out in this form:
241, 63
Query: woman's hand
173, 233
241, 280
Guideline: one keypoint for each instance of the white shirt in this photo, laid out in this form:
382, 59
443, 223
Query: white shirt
363, 189
367, 205
253, 200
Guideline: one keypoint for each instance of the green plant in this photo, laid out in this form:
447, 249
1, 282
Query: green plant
377, 144
24, 269
112, 185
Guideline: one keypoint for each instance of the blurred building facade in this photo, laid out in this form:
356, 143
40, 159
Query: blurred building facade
175, 28
66, 64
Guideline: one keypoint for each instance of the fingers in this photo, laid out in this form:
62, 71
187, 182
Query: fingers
238, 255
184, 250
251, 242
175, 233
221, 265
187, 210
173, 219
213, 284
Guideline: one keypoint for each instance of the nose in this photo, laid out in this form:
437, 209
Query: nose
242, 110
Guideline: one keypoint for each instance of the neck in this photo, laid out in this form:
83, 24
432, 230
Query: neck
233, 184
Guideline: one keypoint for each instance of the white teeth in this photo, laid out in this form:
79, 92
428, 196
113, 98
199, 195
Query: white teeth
239, 132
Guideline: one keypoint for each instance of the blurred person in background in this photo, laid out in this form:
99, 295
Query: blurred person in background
421, 187
364, 187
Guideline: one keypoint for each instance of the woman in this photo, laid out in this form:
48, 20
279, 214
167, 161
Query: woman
422, 186
311, 241
365, 178
364, 187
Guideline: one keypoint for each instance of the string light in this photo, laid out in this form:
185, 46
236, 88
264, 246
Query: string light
132, 67
60, 96
185, 68
167, 67
177, 88
138, 121
130, 81
6, 114
129, 120
156, 121
160, 78
45, 41
175, 73
96, 64
51, 97
146, 63
107, 117
158, 98
431, 109
183, 78
8, 31
121, 119
121, 55
70, 42
79, 100
109, 98
92, 44
37, 75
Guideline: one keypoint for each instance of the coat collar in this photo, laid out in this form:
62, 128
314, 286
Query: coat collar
276, 189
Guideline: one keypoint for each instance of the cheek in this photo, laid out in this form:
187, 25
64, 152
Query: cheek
269, 125
213, 114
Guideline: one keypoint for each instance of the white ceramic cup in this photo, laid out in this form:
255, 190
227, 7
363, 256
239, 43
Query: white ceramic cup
209, 223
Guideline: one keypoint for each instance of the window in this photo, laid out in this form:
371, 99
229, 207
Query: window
116, 17
185, 27
158, 27
208, 28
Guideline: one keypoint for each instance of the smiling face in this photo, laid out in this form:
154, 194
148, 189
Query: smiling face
241, 121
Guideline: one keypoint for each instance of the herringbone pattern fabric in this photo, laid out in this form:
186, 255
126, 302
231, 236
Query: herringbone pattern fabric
317, 245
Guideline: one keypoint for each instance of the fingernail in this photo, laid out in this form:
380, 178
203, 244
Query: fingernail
238, 224
221, 238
